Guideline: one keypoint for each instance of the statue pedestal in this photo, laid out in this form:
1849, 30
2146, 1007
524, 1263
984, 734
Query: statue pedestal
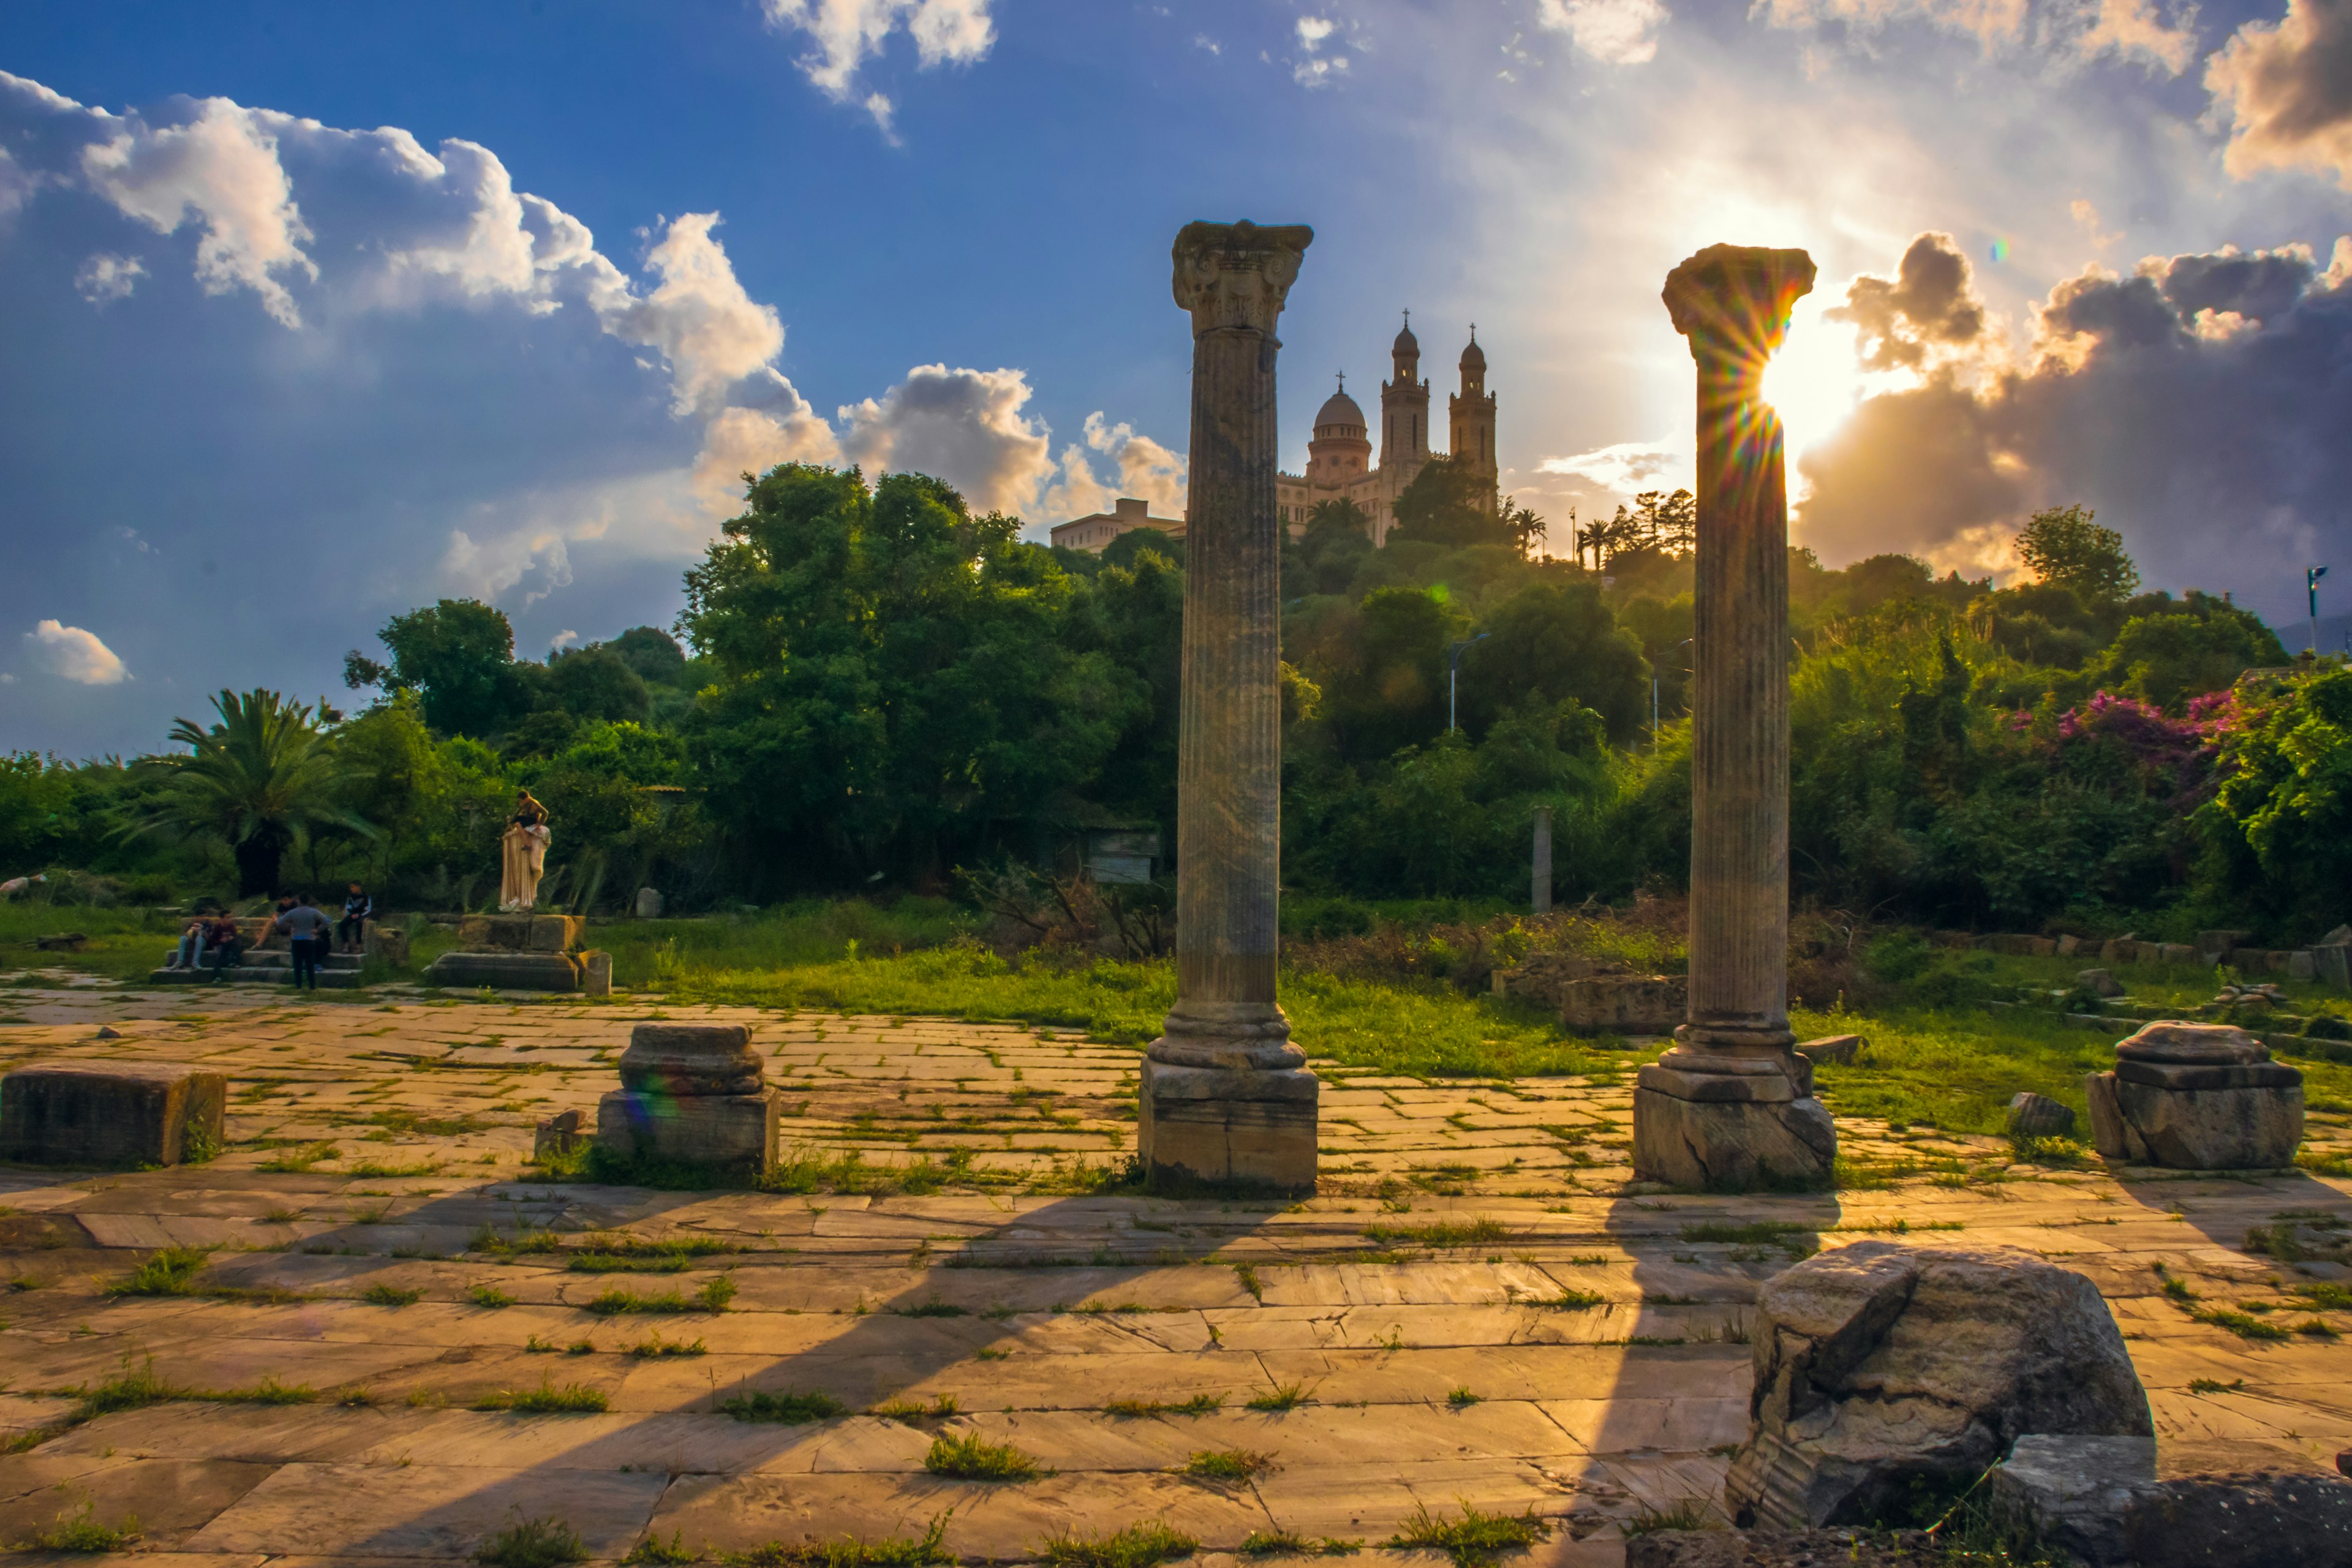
1713, 1123
524, 952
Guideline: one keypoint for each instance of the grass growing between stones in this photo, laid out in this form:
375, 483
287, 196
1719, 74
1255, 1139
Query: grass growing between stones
1288, 1543
170, 1272
783, 1406
1473, 1540
532, 1544
81, 1532
653, 1551
1226, 1464
571, 1399
713, 1297
927, 1550
1136, 1546
971, 1457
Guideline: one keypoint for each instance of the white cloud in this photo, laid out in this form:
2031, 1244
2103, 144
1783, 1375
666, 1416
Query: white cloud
2132, 30
1630, 467
72, 654
1614, 32
1146, 469
743, 441
844, 34
105, 277
564, 638
222, 170
2063, 30
2286, 86
1313, 67
965, 427
711, 331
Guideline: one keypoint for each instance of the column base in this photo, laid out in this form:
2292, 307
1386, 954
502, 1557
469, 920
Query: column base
1228, 1127
1731, 1144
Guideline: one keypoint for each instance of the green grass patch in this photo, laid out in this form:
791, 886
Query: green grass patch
83, 1533
1199, 1404
1474, 1539
653, 1347
653, 1551
392, 1295
1690, 1513
971, 1457
927, 1550
1287, 1543
1461, 1398
298, 1160
712, 1297
269, 1391
532, 1544
2243, 1324
1226, 1464
783, 1406
1443, 1235
571, 1399
487, 1295
170, 1272
1573, 1300
1135, 1546
1281, 1397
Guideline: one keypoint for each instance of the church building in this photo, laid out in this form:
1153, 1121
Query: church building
1339, 465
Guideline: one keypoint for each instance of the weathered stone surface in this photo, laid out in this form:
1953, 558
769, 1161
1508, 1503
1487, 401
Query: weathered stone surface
1624, 1004
2213, 946
556, 1134
1878, 1363
732, 1130
2034, 1115
505, 970
1785, 1549
649, 903
1732, 1146
1833, 1050
595, 972
2099, 983
2302, 964
118, 1115
1248, 1126
686, 1059
2196, 1097
2100, 1502
2331, 964
386, 945
521, 933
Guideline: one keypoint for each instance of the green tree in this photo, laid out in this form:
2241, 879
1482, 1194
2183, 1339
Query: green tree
596, 684
894, 687
261, 779
653, 653
1552, 643
2278, 829
2201, 646
1383, 673
2064, 544
1450, 504
458, 658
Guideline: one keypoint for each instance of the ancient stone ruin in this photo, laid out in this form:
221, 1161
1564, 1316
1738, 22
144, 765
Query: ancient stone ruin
118, 1115
2196, 1097
1225, 1096
524, 952
692, 1094
1732, 1106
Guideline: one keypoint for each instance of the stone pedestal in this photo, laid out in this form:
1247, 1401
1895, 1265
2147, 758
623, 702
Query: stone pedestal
1624, 1004
1732, 1105
2196, 1097
1225, 1096
118, 1115
692, 1094
522, 953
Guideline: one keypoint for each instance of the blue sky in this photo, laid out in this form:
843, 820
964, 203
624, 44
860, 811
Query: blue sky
322, 312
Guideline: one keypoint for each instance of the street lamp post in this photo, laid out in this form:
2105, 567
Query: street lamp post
1454, 673
2311, 576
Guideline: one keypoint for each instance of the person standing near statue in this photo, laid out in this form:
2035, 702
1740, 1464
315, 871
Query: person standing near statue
306, 926
522, 856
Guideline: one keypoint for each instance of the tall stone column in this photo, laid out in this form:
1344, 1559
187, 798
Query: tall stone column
1225, 1096
1540, 887
1732, 1105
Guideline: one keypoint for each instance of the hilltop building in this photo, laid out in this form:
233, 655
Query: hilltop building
1093, 532
1339, 465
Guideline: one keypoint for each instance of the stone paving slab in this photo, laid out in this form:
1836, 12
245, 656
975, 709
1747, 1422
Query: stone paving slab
1478, 1308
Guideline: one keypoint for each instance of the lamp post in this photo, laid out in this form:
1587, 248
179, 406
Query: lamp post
1454, 673
1654, 694
2311, 576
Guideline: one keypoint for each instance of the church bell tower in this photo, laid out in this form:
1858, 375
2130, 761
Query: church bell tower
1472, 419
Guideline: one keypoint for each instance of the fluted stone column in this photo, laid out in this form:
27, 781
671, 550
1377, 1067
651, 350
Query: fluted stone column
1225, 1097
1732, 1105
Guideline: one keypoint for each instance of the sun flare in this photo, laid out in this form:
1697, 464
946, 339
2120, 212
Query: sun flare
1814, 379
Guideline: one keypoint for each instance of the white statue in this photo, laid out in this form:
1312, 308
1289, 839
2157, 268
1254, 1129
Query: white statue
522, 856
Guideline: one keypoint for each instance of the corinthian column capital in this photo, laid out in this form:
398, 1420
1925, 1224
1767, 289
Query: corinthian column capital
1732, 301
1236, 276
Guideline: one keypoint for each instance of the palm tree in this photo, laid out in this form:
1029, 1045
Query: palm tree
262, 779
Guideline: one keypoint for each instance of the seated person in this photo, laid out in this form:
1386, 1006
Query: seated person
190, 952
225, 941
358, 909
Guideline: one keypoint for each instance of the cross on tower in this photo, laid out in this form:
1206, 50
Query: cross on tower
1343, 381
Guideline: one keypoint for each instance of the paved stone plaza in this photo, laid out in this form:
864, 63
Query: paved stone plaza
1475, 1308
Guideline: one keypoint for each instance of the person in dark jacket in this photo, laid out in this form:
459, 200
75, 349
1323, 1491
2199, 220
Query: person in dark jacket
358, 909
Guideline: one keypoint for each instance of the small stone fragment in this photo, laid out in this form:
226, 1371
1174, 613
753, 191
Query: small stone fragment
1833, 1050
2099, 983
2034, 1115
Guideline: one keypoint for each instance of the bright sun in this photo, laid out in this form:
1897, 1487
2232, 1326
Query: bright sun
1813, 381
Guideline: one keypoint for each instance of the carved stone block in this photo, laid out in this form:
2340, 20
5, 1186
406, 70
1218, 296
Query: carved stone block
1250, 1128
118, 1115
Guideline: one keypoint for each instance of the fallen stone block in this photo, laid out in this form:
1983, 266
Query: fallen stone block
2101, 1501
1833, 1050
595, 972
1878, 1365
557, 1134
2303, 963
1624, 1004
729, 1131
2331, 964
386, 945
2034, 1115
2099, 983
117, 1115
2196, 1097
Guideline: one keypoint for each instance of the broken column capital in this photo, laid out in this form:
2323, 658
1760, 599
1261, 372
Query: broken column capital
1732, 301
1236, 276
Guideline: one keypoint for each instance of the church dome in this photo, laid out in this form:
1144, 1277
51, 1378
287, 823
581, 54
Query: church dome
1340, 410
1473, 357
1406, 344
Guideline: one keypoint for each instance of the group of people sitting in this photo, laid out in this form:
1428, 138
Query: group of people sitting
216, 941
